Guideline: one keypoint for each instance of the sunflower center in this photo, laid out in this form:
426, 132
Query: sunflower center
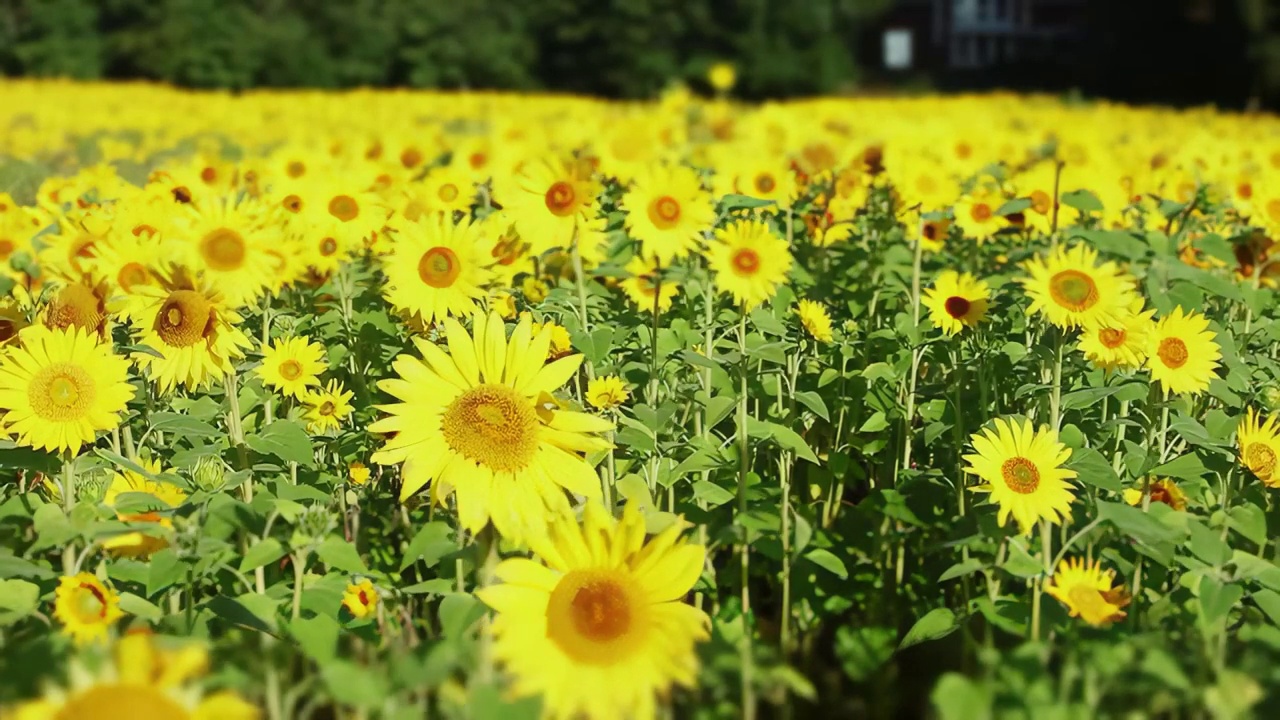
477, 160
118, 701
7, 247
957, 307
61, 392
1041, 202
1244, 190
132, 275
223, 249
1173, 352
448, 192
1111, 337
292, 203
411, 158
765, 183
593, 617
439, 267
344, 207
290, 369
664, 212
295, 169
1261, 459
76, 305
328, 246
1020, 475
326, 408
980, 212
89, 604
493, 426
746, 261
185, 318
560, 199
1073, 290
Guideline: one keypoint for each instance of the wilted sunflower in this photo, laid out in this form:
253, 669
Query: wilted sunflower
1070, 289
328, 407
479, 421
1182, 353
597, 624
750, 261
1086, 589
194, 336
1259, 443
86, 607
62, 386
667, 211
957, 301
437, 268
292, 366
1024, 472
815, 320
167, 496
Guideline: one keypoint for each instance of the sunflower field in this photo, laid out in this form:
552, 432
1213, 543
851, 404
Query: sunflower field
392, 404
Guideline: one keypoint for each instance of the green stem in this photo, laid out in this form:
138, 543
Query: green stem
69, 504
916, 355
299, 559
744, 467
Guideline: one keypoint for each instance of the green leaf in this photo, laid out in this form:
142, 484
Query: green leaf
432, 542
250, 610
790, 439
875, 423
1093, 469
166, 570
937, 623
1083, 200
283, 439
341, 555
182, 425
1139, 525
317, 636
1217, 599
1088, 397
459, 613
1187, 467
961, 569
827, 560
711, 493
355, 685
139, 607
1015, 205
18, 599
435, 586
814, 402
1020, 563
956, 697
266, 551
742, 202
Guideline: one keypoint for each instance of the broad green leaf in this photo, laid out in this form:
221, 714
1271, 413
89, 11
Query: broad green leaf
432, 542
260, 553
742, 202
182, 425
140, 607
283, 439
317, 636
1093, 469
961, 569
1187, 467
875, 423
18, 599
1217, 599
341, 555
459, 613
828, 561
935, 624
791, 440
1083, 200
956, 697
710, 493
814, 402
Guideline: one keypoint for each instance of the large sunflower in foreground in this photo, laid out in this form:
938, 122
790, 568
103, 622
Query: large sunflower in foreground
667, 211
146, 681
194, 336
597, 625
1182, 353
437, 268
62, 386
1023, 470
1070, 289
1259, 443
750, 261
1086, 589
479, 421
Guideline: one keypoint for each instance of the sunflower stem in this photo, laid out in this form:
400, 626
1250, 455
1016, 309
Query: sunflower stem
298, 560
744, 467
917, 354
580, 282
1055, 397
69, 504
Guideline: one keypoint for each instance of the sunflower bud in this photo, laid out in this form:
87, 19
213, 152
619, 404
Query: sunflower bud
209, 474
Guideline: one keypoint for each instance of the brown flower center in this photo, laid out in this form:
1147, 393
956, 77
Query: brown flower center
1020, 475
1173, 352
1073, 290
439, 267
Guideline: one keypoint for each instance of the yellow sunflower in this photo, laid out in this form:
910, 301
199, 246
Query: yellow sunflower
145, 681
293, 366
86, 607
1123, 345
548, 200
1182, 353
667, 211
976, 215
764, 178
644, 283
444, 190
815, 320
1023, 470
167, 495
1070, 289
606, 392
78, 304
1087, 591
438, 268
750, 261
194, 335
597, 624
358, 473
227, 242
1259, 443
328, 407
479, 421
956, 301
360, 599
126, 263
62, 386
1162, 490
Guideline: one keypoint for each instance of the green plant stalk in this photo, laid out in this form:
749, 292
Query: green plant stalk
916, 355
69, 504
610, 476
744, 467
785, 467
703, 418
580, 283
298, 559
654, 385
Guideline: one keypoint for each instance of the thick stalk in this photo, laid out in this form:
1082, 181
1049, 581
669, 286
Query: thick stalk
916, 355
744, 467
69, 504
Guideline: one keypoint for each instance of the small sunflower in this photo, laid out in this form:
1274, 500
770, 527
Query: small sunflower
360, 599
194, 335
438, 268
548, 200
358, 473
815, 320
1123, 345
1181, 352
957, 301
597, 623
644, 282
293, 366
750, 261
1023, 470
328, 407
606, 392
667, 211
1259, 443
86, 607
976, 216
1162, 490
1070, 289
1087, 591
78, 304
167, 497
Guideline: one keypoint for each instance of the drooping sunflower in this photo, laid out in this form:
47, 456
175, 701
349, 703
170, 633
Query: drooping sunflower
478, 421
191, 330
1259, 443
227, 242
438, 268
1123, 345
1070, 289
86, 607
1087, 591
328, 407
667, 211
146, 680
606, 392
815, 320
360, 599
292, 366
750, 261
78, 304
61, 387
167, 496
548, 200
597, 624
956, 301
1182, 353
644, 283
1162, 490
1023, 470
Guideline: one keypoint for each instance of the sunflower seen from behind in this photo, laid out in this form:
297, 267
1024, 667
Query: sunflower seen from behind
957, 301
1023, 470
1259, 444
292, 366
750, 261
1182, 353
478, 422
1088, 591
86, 607
667, 211
437, 268
1072, 290
597, 624
61, 387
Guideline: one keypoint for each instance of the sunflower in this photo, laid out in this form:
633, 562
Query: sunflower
667, 211
437, 268
358, 473
976, 215
360, 599
168, 495
548, 200
606, 392
597, 624
1123, 345
815, 320
750, 261
478, 421
932, 234
194, 336
445, 190
1086, 589
1023, 470
86, 607
957, 301
765, 178
78, 304
145, 681
125, 263
62, 386
1182, 353
1259, 443
227, 242
1072, 290
328, 407
292, 366
722, 76
1162, 490
645, 282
